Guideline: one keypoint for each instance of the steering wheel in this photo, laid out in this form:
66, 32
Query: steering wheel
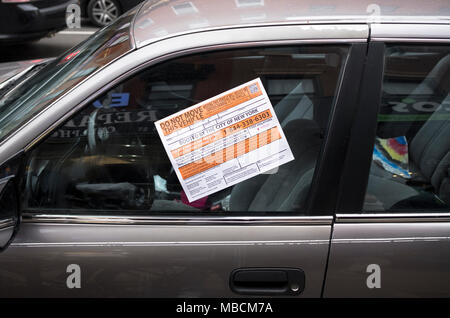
97, 144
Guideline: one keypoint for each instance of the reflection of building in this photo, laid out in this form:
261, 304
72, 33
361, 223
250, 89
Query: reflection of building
411, 95
184, 14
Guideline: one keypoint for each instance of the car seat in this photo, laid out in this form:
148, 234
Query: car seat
287, 189
429, 163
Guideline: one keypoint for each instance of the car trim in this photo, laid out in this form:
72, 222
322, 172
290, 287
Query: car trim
409, 32
16, 76
419, 40
167, 243
177, 220
356, 24
392, 217
133, 21
401, 21
332, 158
7, 223
351, 190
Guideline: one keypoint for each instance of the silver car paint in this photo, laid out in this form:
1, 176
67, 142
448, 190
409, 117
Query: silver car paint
411, 250
155, 261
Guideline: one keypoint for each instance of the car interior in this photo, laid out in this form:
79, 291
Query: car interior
110, 157
415, 106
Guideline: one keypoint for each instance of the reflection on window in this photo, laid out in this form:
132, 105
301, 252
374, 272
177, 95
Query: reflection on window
253, 16
109, 157
199, 23
184, 8
249, 3
411, 159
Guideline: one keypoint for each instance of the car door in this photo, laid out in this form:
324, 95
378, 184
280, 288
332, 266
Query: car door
391, 236
104, 214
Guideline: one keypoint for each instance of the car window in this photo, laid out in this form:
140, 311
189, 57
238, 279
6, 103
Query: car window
34, 94
411, 160
110, 158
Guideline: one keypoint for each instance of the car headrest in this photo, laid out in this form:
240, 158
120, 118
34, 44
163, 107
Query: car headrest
302, 134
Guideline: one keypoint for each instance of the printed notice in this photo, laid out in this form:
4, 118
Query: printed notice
224, 140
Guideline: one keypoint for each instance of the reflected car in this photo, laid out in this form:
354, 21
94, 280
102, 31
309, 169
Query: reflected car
103, 12
232, 148
28, 20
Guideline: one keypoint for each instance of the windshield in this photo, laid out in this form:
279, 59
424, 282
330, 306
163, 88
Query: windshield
32, 95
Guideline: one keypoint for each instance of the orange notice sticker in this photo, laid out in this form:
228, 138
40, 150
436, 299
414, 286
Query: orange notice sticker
224, 140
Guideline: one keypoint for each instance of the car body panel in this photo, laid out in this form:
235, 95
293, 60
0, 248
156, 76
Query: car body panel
156, 260
406, 253
411, 251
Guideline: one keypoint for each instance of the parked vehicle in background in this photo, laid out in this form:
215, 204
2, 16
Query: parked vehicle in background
103, 12
28, 20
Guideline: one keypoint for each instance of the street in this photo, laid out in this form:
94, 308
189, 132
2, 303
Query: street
46, 47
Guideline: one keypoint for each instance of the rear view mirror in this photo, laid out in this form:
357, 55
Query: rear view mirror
9, 212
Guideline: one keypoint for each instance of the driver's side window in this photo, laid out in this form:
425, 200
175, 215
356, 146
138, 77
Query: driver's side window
109, 157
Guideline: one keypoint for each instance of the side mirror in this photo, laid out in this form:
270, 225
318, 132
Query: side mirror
9, 211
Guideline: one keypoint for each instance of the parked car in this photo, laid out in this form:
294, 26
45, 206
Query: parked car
90, 169
103, 12
27, 20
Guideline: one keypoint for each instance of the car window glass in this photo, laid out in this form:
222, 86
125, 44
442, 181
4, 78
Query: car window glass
109, 156
411, 160
33, 95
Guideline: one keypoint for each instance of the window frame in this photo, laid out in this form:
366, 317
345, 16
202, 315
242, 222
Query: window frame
355, 173
346, 67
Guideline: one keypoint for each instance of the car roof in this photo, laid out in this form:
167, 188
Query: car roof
158, 19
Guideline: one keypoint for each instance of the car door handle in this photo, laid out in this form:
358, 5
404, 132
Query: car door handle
267, 281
